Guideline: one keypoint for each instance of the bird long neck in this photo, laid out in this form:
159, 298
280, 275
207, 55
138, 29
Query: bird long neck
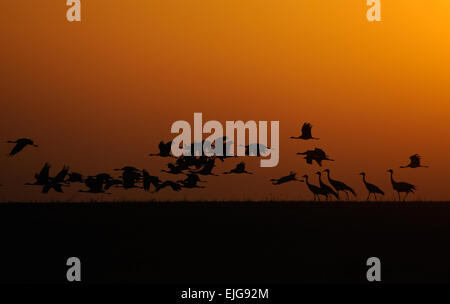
306, 180
392, 178
364, 179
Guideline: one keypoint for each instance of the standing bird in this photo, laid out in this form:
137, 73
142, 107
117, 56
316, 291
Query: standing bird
20, 144
317, 191
371, 187
401, 186
325, 188
306, 132
318, 155
414, 162
164, 149
240, 168
285, 179
339, 186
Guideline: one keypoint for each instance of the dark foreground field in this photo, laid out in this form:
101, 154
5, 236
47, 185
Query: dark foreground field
225, 242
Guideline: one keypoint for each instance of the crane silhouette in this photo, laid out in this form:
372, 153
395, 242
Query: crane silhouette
316, 191
191, 181
94, 185
56, 182
208, 164
175, 186
75, 177
20, 144
338, 185
401, 186
317, 155
285, 179
414, 162
325, 188
174, 169
42, 177
148, 180
306, 132
371, 187
240, 169
164, 149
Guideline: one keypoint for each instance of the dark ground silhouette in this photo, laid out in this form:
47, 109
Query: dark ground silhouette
222, 242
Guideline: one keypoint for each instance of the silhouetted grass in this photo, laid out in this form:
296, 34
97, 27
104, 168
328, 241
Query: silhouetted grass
222, 241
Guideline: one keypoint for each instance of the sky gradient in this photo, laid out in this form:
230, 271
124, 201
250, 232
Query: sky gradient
102, 93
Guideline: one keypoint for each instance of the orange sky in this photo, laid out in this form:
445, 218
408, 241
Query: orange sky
102, 93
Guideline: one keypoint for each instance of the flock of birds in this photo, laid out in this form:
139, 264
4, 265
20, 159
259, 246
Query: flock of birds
195, 166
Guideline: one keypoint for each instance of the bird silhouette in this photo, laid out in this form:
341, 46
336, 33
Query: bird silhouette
401, 186
175, 169
338, 185
42, 177
306, 132
371, 187
285, 179
75, 177
240, 169
173, 185
164, 149
256, 150
21, 143
148, 180
414, 162
317, 155
207, 167
191, 181
316, 191
94, 184
56, 182
325, 188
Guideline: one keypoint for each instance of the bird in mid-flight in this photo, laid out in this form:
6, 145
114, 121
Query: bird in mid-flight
306, 132
20, 144
414, 162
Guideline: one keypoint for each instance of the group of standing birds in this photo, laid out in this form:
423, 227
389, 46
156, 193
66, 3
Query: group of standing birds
195, 166
318, 155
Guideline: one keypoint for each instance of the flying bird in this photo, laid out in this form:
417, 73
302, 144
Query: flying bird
94, 184
240, 168
306, 132
148, 180
21, 143
317, 155
42, 177
75, 177
175, 186
56, 182
414, 162
401, 186
164, 149
191, 181
371, 187
339, 186
285, 179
